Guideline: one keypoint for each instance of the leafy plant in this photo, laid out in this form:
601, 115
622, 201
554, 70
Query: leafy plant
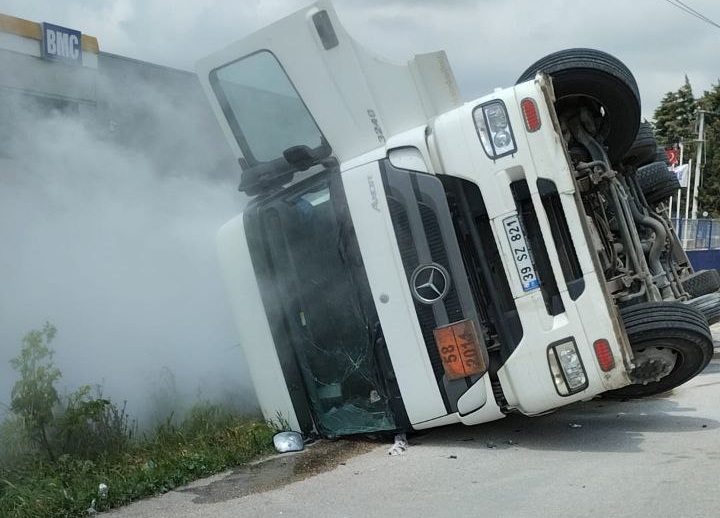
710, 189
204, 418
675, 117
675, 122
34, 395
279, 424
14, 442
88, 443
91, 425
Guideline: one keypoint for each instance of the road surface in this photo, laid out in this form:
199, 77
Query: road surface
648, 458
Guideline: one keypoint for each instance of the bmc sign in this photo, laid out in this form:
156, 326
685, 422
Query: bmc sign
61, 44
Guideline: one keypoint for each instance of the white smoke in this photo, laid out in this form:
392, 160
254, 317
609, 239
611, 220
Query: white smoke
120, 255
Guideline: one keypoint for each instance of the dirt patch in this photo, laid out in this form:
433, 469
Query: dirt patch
279, 470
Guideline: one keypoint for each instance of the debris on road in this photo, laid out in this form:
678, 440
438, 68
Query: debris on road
399, 446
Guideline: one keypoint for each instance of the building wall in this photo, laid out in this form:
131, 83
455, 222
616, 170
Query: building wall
163, 112
157, 111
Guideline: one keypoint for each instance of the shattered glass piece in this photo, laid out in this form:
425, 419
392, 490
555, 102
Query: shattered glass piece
351, 419
330, 391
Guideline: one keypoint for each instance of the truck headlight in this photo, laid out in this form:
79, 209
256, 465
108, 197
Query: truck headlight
493, 127
567, 368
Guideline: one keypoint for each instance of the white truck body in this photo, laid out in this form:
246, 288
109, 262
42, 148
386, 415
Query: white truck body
376, 116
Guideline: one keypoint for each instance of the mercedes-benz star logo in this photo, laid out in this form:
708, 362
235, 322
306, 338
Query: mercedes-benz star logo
429, 283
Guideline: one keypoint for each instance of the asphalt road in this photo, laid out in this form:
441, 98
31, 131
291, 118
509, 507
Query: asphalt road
651, 458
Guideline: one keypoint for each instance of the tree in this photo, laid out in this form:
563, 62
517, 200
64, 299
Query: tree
710, 191
675, 121
675, 118
34, 396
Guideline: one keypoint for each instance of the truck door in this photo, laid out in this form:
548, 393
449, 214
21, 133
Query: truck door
316, 295
301, 90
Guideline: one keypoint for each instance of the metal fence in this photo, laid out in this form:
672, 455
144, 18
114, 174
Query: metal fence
698, 234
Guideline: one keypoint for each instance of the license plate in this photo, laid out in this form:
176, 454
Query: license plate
459, 348
521, 253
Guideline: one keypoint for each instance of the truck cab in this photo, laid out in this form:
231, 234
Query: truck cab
408, 260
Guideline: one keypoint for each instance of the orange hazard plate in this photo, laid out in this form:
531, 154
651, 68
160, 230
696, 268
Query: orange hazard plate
459, 348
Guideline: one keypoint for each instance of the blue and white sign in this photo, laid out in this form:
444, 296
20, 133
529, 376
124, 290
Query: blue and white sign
61, 44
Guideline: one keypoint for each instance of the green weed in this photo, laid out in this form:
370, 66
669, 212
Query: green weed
56, 452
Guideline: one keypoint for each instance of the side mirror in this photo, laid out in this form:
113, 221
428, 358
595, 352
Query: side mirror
301, 157
288, 441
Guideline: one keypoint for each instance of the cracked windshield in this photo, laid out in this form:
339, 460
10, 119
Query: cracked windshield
316, 290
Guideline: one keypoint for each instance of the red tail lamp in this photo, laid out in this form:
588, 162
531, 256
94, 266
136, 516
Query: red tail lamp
604, 355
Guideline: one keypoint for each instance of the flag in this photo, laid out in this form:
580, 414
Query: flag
681, 171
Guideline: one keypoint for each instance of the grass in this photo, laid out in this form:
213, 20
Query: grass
76, 455
206, 441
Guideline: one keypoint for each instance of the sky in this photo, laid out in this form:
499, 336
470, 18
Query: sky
489, 42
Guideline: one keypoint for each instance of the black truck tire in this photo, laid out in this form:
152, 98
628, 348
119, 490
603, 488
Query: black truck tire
602, 78
644, 149
657, 182
701, 283
708, 305
668, 329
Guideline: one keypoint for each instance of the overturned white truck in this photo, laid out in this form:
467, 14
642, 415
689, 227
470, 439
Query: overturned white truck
408, 260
